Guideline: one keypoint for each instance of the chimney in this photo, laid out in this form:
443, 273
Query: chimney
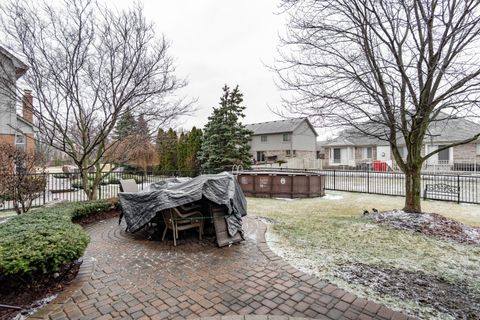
27, 105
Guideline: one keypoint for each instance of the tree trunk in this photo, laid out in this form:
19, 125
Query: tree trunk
413, 190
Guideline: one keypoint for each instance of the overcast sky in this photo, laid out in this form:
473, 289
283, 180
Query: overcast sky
217, 42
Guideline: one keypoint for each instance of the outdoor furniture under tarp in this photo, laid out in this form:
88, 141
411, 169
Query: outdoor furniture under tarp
222, 190
128, 185
176, 221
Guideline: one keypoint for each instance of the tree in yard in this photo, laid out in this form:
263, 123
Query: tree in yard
90, 66
134, 145
126, 126
226, 140
167, 150
182, 150
22, 178
194, 144
389, 68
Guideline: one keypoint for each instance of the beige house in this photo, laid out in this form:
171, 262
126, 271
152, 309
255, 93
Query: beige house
350, 150
15, 129
283, 140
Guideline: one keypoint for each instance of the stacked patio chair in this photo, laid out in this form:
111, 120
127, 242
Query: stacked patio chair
176, 220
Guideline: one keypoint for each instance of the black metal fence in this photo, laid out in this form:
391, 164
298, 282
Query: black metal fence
69, 186
445, 187
457, 188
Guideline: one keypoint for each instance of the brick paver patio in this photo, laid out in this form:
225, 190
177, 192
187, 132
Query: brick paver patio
130, 277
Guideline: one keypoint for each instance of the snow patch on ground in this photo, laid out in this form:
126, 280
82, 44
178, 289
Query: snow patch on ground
329, 196
430, 224
34, 307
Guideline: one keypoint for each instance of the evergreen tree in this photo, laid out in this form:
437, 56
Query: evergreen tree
125, 127
142, 128
168, 152
194, 144
182, 153
226, 140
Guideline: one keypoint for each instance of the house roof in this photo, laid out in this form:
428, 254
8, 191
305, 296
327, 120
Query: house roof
279, 126
20, 66
451, 130
442, 130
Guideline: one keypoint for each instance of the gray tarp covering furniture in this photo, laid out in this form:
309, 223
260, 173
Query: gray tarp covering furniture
139, 208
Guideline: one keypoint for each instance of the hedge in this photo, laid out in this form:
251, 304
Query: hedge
44, 239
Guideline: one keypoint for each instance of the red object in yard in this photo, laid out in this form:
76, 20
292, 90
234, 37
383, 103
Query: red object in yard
380, 166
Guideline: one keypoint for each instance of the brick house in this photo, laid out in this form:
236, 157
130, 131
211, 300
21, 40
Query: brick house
15, 129
352, 149
283, 140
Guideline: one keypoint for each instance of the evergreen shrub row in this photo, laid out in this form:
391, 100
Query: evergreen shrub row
42, 240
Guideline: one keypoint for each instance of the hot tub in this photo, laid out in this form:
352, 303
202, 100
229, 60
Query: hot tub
282, 184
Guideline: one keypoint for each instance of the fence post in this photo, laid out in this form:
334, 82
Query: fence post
47, 178
368, 181
458, 185
334, 188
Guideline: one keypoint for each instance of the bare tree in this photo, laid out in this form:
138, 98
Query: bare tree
22, 178
88, 66
389, 69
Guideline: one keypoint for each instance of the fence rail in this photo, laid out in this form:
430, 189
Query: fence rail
445, 187
68, 186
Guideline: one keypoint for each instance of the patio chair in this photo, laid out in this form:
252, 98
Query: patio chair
176, 220
128, 185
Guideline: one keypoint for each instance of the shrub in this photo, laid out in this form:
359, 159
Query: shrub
44, 239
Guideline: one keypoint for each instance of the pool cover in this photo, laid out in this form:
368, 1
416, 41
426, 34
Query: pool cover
139, 208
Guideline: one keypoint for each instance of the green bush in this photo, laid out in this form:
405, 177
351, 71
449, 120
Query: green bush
44, 239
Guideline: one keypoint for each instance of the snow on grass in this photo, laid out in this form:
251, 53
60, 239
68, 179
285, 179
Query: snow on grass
319, 235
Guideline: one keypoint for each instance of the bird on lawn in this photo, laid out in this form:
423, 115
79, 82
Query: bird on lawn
374, 210
365, 212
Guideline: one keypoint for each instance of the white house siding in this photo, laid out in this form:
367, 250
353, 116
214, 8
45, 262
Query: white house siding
303, 138
8, 116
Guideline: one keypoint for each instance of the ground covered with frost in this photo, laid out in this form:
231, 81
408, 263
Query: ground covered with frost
430, 224
379, 257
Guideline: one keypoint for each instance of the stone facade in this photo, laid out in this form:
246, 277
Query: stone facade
466, 152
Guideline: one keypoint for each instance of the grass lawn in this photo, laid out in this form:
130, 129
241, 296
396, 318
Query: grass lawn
321, 235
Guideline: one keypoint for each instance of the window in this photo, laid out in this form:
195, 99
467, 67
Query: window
263, 138
294, 152
287, 137
260, 156
478, 149
337, 155
20, 141
368, 153
444, 155
288, 153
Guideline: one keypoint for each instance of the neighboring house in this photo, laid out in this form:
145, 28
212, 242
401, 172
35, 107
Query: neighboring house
357, 150
14, 129
283, 140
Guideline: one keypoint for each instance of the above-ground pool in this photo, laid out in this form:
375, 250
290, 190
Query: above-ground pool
282, 184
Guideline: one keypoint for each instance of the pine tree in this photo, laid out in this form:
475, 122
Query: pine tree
226, 140
142, 128
194, 144
182, 153
125, 127
168, 152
